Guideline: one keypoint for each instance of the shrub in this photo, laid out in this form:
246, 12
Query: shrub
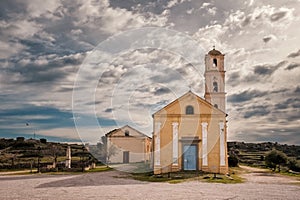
43, 140
29, 154
294, 165
23, 145
275, 159
233, 161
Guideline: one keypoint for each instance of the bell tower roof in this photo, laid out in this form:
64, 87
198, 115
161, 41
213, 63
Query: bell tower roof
214, 52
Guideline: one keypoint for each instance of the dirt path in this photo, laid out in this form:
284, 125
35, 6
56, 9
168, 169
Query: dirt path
265, 176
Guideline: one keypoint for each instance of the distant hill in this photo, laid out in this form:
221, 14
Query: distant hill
20, 153
253, 153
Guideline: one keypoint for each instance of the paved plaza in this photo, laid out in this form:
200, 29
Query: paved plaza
116, 185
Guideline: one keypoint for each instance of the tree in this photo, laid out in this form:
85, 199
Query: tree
233, 160
102, 152
43, 140
294, 165
112, 150
53, 151
274, 159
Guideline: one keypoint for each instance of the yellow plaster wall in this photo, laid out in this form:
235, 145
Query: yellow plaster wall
190, 126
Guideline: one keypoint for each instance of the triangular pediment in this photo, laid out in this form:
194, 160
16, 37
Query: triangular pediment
120, 132
178, 106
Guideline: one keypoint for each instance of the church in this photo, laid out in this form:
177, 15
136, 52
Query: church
190, 133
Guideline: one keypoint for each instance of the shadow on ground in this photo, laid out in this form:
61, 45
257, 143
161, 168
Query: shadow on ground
264, 174
93, 179
26, 177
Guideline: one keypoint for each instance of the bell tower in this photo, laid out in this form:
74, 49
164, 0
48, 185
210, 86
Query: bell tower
215, 79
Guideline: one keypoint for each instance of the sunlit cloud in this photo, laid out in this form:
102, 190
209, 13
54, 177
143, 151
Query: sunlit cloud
44, 44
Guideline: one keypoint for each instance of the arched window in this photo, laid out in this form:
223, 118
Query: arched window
216, 105
215, 62
215, 86
126, 133
189, 110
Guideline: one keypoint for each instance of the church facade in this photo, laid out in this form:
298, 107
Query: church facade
190, 133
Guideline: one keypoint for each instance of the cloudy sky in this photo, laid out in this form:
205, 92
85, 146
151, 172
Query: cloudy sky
125, 59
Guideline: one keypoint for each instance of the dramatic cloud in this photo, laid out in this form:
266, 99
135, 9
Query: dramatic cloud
267, 69
264, 70
255, 111
245, 96
44, 43
278, 15
161, 91
291, 102
108, 110
268, 38
297, 90
292, 66
294, 55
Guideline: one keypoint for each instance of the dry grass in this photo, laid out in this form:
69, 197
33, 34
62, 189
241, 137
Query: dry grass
178, 177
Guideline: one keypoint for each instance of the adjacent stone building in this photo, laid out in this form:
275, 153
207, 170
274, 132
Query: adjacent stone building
128, 145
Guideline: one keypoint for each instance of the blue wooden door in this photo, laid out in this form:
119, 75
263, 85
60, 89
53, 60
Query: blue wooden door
189, 157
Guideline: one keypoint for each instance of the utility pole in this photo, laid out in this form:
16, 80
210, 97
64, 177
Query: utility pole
32, 129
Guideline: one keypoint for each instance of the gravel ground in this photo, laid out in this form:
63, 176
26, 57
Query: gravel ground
114, 185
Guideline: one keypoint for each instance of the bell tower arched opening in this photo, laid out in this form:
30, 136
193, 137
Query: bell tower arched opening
215, 62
